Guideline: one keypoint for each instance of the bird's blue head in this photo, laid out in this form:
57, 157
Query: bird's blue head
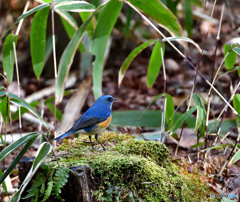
106, 99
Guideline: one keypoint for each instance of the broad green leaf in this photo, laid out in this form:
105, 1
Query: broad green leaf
188, 17
236, 157
104, 27
70, 26
149, 118
4, 110
68, 54
19, 101
75, 6
231, 58
8, 57
130, 58
185, 39
18, 157
91, 27
236, 105
15, 145
181, 119
155, 64
42, 152
160, 13
38, 40
58, 112
25, 15
169, 110
24, 110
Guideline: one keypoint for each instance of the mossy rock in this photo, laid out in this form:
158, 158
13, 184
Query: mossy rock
133, 169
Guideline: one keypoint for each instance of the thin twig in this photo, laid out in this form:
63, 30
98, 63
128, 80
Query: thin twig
55, 70
18, 83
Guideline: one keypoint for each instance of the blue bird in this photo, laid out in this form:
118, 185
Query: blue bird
95, 120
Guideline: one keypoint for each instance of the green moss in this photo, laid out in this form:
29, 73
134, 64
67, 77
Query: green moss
133, 169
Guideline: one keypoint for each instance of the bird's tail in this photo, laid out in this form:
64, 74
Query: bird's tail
64, 135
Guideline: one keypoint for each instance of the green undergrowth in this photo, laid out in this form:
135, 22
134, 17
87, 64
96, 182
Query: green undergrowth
132, 170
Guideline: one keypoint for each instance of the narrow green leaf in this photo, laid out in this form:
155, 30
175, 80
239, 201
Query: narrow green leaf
154, 99
169, 110
68, 54
71, 28
58, 112
155, 64
19, 101
2, 93
4, 110
17, 159
49, 47
216, 147
231, 58
75, 6
200, 144
188, 17
24, 110
8, 57
99, 41
150, 118
236, 157
200, 104
25, 15
236, 105
185, 39
181, 119
91, 27
52, 98
38, 40
15, 145
3, 183
42, 152
236, 50
130, 58
159, 12
129, 16
199, 118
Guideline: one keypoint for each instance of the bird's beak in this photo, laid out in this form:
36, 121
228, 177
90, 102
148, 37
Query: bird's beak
114, 99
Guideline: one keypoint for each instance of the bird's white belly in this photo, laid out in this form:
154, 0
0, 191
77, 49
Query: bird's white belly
91, 132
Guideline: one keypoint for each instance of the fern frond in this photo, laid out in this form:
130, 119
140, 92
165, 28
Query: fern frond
34, 190
48, 190
60, 179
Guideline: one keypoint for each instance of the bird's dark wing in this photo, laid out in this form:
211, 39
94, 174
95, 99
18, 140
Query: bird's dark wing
84, 122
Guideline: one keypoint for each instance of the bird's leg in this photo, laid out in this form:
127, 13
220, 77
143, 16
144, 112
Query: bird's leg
96, 137
91, 141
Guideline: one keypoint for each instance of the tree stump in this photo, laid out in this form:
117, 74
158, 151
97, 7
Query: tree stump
78, 188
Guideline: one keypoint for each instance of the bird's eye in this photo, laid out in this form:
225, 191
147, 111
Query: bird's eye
109, 99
